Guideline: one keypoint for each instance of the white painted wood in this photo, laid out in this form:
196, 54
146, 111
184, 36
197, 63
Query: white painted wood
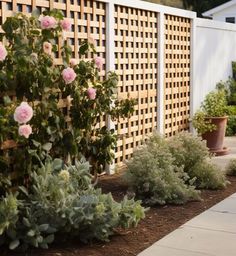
160, 73
214, 51
110, 61
152, 7
192, 64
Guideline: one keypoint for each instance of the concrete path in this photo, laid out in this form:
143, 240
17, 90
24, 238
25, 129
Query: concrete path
222, 161
212, 233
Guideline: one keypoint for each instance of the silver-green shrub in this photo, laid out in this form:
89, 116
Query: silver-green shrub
155, 178
192, 154
63, 203
231, 168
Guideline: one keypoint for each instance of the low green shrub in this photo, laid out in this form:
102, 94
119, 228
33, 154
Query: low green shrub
231, 168
231, 122
168, 170
192, 154
64, 204
155, 178
208, 175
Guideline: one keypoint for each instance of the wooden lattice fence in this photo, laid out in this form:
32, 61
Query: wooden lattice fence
136, 56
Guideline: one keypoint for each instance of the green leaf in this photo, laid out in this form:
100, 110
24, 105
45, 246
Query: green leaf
31, 233
26, 222
47, 146
43, 227
49, 239
57, 164
14, 244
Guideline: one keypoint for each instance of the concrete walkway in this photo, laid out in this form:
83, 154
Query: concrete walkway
211, 233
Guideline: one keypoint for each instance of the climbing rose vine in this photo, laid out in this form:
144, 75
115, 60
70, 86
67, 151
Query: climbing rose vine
59, 108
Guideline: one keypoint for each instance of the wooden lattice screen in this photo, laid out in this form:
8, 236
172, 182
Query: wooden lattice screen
136, 63
87, 18
177, 73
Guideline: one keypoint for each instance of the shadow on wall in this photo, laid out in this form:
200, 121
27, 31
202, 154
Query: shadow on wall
214, 53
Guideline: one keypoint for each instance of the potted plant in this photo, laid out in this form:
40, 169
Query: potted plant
211, 120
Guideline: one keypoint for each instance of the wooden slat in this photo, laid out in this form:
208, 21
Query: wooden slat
177, 74
136, 64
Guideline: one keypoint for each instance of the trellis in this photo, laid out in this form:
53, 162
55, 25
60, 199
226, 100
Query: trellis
177, 73
137, 43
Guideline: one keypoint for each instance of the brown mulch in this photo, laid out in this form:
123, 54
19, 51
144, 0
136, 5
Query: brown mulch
159, 222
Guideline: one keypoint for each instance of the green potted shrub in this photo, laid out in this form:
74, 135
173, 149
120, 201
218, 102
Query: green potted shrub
211, 120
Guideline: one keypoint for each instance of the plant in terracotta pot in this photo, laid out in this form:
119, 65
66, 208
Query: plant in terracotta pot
210, 121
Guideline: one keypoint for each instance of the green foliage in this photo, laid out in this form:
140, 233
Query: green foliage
31, 73
231, 168
229, 87
201, 6
62, 202
201, 124
168, 170
208, 175
155, 178
191, 153
214, 105
231, 122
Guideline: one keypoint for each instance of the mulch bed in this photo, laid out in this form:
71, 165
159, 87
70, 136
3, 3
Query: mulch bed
159, 222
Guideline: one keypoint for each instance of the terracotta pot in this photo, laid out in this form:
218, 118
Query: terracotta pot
215, 139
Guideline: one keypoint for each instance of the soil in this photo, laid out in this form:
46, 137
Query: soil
159, 222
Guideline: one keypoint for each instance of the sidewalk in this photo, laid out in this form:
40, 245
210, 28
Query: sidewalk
212, 233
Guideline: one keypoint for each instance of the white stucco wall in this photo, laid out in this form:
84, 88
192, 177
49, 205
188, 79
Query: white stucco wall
228, 12
213, 52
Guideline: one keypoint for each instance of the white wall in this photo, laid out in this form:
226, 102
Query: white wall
228, 12
214, 50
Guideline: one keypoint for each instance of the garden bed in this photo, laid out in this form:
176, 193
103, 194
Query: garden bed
159, 222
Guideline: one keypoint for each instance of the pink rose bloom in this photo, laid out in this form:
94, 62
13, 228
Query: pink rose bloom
23, 113
99, 62
48, 22
91, 92
66, 25
47, 48
25, 130
91, 40
68, 75
73, 62
3, 52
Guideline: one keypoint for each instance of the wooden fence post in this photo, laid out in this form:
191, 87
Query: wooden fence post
110, 61
161, 73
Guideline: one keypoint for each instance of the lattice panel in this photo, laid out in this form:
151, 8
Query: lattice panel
136, 64
177, 73
87, 18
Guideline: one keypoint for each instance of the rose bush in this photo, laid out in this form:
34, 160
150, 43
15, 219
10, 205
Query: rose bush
39, 125
56, 195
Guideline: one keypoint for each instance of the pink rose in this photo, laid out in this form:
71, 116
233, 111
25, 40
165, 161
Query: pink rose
91, 92
48, 22
73, 62
25, 130
66, 25
68, 75
91, 40
23, 113
3, 52
47, 48
99, 62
